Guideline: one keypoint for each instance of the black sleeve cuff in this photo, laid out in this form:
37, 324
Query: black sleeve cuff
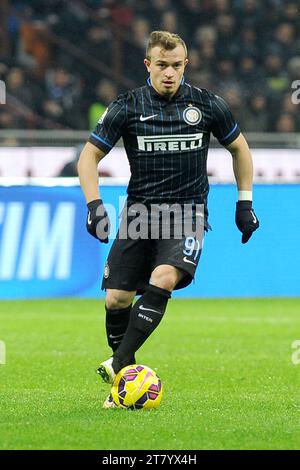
227, 140
100, 145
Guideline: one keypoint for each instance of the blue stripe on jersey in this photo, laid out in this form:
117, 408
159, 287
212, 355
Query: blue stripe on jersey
230, 133
101, 140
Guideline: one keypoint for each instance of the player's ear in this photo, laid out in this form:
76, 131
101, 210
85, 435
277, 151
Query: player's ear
186, 61
147, 64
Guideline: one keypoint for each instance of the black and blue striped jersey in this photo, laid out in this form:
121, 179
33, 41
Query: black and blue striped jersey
166, 141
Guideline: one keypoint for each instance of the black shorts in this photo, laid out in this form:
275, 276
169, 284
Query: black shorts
131, 262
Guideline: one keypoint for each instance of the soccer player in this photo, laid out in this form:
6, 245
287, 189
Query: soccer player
166, 126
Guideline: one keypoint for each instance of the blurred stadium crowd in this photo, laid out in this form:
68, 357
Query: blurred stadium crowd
64, 61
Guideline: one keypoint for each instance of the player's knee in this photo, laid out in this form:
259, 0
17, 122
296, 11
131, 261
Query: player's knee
115, 299
165, 277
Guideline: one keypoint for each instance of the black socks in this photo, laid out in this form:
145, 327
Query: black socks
145, 316
116, 325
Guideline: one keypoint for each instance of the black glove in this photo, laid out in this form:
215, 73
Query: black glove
246, 219
97, 223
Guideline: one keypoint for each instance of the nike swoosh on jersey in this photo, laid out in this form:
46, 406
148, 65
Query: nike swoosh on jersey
145, 118
188, 261
116, 336
149, 309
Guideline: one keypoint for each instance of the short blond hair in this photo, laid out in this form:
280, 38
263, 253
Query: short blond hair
166, 40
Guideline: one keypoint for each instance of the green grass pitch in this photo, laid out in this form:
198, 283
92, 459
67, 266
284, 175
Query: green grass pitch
226, 365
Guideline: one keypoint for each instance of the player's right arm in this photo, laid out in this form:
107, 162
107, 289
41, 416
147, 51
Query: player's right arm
107, 132
97, 222
88, 171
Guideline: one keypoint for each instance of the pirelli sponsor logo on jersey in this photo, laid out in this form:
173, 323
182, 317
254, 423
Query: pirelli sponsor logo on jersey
169, 143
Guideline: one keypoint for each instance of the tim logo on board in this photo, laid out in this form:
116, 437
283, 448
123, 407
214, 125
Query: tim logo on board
44, 250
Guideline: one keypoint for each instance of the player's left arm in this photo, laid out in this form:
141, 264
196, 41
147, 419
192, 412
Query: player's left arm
227, 131
242, 163
245, 218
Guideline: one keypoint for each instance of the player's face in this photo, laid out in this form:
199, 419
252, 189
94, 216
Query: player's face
166, 69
